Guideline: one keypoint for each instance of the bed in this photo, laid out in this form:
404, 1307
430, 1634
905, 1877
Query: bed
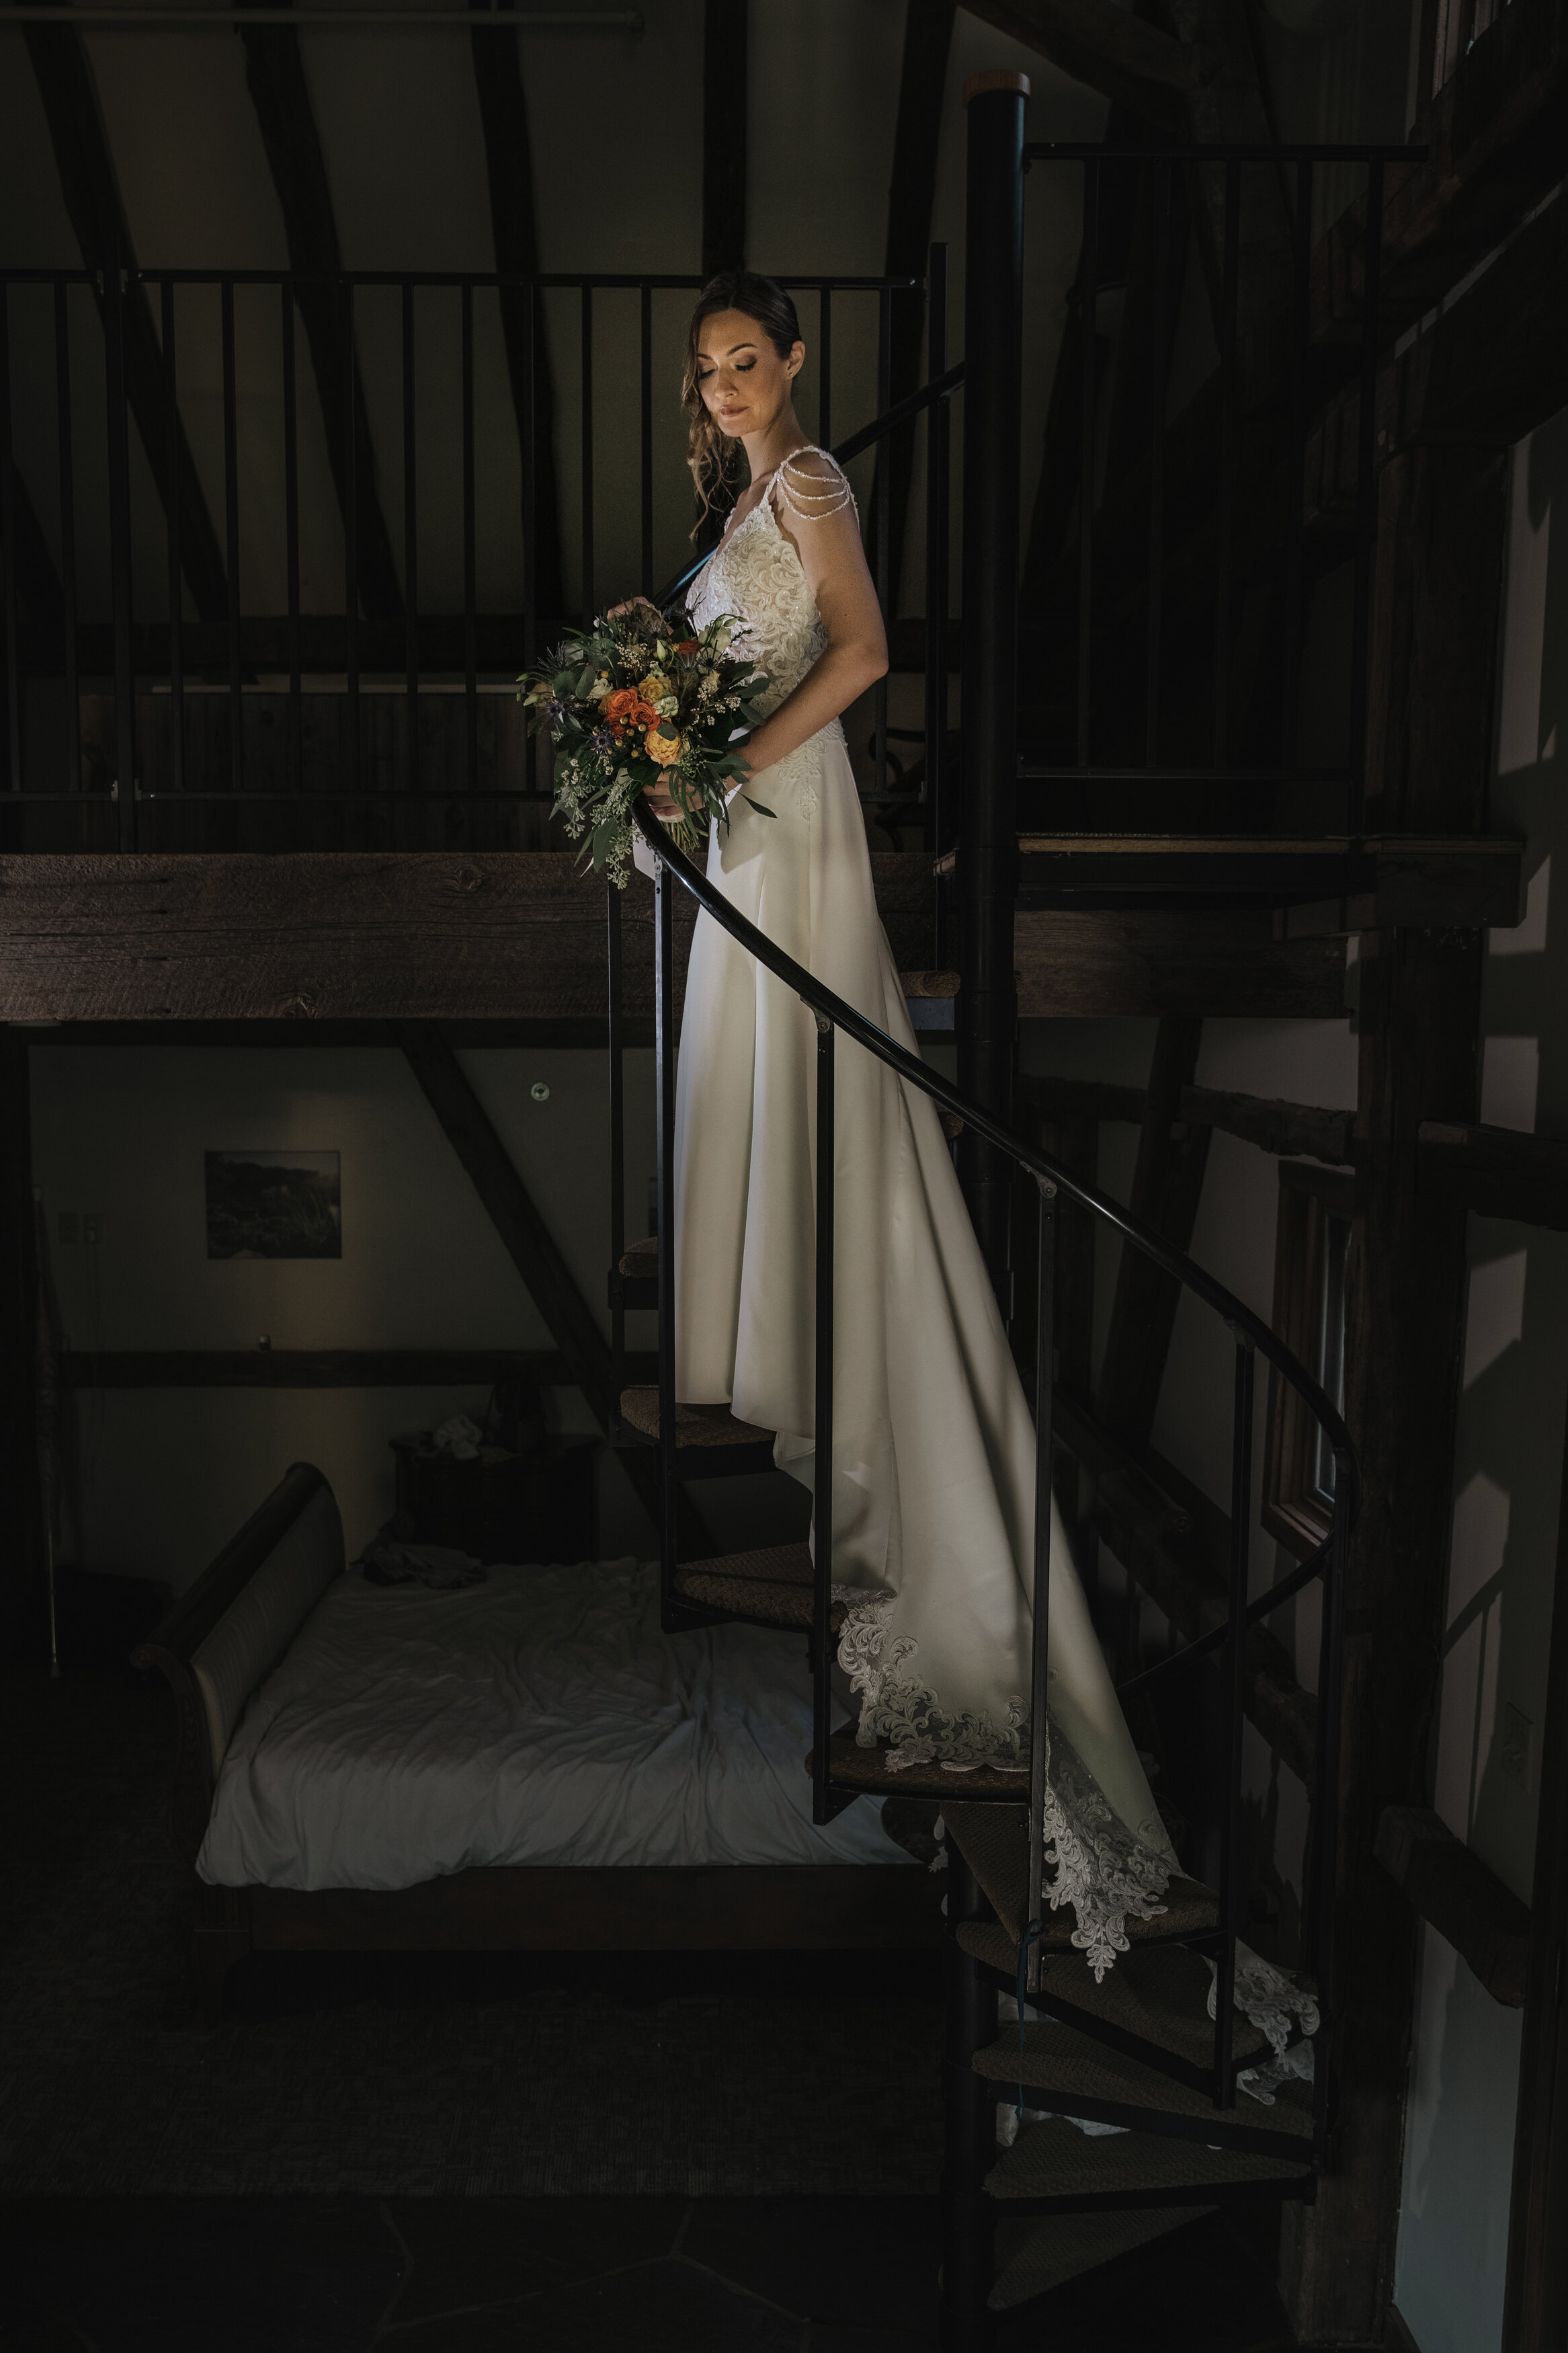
528, 1764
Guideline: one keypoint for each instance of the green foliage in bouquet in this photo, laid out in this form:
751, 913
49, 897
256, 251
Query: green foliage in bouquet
639, 695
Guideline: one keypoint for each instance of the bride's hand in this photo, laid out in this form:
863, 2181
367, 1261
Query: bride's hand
659, 798
630, 605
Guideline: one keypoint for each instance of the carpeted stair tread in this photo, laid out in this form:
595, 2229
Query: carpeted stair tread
854, 1768
771, 1587
1053, 2159
641, 1258
1077, 2076
695, 1425
1035, 2256
1159, 1993
994, 1843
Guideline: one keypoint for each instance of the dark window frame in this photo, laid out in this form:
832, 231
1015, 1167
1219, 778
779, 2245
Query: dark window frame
1296, 1512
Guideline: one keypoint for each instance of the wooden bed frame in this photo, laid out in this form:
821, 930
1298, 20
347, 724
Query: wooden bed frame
225, 1635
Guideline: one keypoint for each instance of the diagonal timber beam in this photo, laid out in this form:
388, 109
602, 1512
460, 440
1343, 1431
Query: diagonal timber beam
537, 1256
275, 77
91, 191
514, 224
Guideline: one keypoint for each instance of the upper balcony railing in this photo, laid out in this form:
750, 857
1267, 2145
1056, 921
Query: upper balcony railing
273, 548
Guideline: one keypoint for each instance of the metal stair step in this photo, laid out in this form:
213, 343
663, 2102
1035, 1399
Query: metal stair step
770, 1588
1068, 2074
1052, 2159
710, 1443
1156, 1994
1033, 2257
853, 1767
641, 1258
994, 1842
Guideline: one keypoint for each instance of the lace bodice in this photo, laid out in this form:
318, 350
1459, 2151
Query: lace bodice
757, 575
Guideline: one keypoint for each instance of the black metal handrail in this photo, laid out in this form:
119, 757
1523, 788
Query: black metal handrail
1252, 1337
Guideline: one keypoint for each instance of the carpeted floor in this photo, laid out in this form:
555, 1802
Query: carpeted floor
403, 2075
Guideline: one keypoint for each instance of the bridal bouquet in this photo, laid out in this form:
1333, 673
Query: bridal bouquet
639, 695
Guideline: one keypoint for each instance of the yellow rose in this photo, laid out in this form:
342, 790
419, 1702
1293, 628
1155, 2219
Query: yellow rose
654, 687
665, 749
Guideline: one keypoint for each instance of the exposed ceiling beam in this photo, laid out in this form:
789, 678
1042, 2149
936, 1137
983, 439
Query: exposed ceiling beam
275, 77
724, 103
509, 163
1106, 48
91, 191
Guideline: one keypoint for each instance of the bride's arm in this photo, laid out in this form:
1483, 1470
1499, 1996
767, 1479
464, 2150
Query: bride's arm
834, 562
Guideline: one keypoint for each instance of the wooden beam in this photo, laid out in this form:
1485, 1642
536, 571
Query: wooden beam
1449, 1887
91, 192
1495, 136
275, 77
726, 104
324, 1369
1176, 1555
1075, 965
1496, 1171
537, 1257
1273, 1125
1167, 1184
1435, 633
373, 936
1106, 48
509, 163
1535, 2308
19, 1485
912, 194
1491, 368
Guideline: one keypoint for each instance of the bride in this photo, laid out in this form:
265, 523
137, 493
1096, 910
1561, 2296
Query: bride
934, 1455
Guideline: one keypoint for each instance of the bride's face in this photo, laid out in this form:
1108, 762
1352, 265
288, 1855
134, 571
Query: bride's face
745, 385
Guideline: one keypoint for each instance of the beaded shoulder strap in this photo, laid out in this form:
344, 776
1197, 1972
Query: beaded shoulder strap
811, 497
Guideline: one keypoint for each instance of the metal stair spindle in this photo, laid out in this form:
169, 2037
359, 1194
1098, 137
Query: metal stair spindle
1039, 1669
823, 1808
664, 1040
1230, 1866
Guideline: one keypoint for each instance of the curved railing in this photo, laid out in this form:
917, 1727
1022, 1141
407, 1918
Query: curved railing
1252, 1338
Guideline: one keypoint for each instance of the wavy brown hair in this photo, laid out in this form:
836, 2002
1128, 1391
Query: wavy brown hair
713, 455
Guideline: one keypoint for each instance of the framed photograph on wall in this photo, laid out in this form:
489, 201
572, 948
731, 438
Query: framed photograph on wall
274, 1204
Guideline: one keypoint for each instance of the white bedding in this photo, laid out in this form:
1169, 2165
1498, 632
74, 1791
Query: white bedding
538, 1718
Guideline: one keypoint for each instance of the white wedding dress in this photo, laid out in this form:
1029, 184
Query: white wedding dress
933, 1465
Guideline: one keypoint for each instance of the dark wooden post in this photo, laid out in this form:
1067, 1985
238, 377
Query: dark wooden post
1535, 2314
725, 90
1433, 650
988, 833
18, 1306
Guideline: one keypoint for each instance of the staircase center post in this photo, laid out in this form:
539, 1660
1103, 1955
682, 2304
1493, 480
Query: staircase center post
988, 833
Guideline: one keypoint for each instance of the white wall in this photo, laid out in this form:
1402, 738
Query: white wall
165, 1477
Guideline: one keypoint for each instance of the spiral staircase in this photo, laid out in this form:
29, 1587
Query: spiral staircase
1133, 2054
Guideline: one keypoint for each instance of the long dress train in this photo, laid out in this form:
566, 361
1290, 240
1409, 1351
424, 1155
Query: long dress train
933, 1468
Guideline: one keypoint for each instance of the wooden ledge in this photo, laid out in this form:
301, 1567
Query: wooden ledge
1498, 1172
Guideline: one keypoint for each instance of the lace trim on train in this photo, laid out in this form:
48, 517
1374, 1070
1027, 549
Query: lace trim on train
1274, 2004
1107, 1873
